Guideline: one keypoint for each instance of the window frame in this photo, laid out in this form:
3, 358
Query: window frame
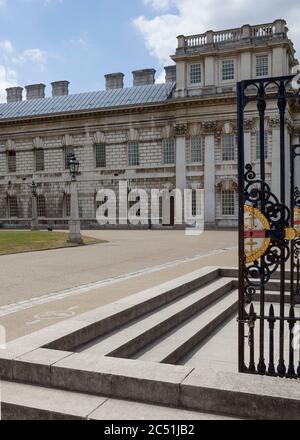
11, 154
257, 56
228, 80
133, 156
257, 146
224, 149
36, 160
10, 207
225, 207
41, 206
192, 149
168, 145
190, 73
100, 165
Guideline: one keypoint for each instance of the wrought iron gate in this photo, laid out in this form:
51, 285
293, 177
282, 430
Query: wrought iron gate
269, 226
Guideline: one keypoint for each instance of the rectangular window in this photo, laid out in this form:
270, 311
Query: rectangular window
11, 162
196, 149
67, 203
100, 152
133, 154
41, 206
257, 156
195, 74
12, 206
262, 65
227, 70
39, 160
68, 152
228, 203
169, 151
228, 147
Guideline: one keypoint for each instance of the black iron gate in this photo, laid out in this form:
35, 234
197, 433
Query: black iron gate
269, 240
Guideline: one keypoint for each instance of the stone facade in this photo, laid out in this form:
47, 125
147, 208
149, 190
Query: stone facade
199, 120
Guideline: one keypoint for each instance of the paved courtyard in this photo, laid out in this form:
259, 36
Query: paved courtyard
41, 288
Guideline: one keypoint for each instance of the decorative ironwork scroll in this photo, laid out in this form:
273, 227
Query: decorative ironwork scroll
269, 236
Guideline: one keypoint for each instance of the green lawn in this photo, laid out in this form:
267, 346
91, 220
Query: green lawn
26, 241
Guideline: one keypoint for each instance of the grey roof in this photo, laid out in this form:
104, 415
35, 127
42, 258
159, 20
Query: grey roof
88, 101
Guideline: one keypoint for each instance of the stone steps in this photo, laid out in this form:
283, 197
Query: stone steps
126, 341
176, 344
28, 402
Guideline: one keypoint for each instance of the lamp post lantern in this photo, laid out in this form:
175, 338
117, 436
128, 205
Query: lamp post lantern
34, 209
74, 223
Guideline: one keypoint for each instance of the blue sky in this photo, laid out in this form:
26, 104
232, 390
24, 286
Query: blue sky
81, 40
48, 40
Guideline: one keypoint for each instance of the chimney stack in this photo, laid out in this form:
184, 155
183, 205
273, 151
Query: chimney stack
14, 94
114, 81
35, 91
170, 74
144, 77
60, 88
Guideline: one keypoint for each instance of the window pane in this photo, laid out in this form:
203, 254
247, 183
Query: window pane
196, 149
13, 206
133, 154
262, 65
41, 206
195, 73
228, 202
100, 152
169, 151
39, 160
228, 70
258, 145
11, 162
228, 147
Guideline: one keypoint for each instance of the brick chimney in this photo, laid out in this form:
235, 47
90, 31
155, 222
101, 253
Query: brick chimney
114, 81
14, 94
35, 91
60, 88
170, 74
144, 77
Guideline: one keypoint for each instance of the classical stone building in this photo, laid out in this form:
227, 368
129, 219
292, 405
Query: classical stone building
180, 134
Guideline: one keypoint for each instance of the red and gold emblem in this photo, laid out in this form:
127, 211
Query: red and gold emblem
256, 240
257, 233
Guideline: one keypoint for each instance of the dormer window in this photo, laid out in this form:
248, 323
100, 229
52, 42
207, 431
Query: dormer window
195, 74
228, 70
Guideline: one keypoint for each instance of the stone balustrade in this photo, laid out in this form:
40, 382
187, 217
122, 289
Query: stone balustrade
263, 31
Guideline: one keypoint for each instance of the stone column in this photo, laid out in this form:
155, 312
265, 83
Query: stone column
209, 176
181, 132
34, 214
74, 223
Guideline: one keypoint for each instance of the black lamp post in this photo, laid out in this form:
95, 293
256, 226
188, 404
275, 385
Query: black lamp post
73, 166
74, 223
34, 210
